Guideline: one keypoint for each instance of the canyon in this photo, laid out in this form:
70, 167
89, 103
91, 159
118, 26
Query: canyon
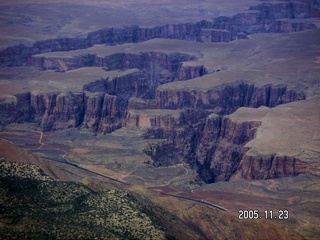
180, 96
222, 100
262, 18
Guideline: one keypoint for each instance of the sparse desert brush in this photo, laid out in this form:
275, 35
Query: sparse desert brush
68, 209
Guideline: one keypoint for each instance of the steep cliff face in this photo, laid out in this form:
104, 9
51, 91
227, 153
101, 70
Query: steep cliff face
287, 26
215, 35
105, 102
101, 113
42, 105
68, 112
139, 103
93, 106
175, 128
212, 143
120, 60
226, 98
216, 149
52, 111
15, 108
111, 114
132, 84
298, 9
98, 111
266, 167
155, 119
148, 71
219, 148
264, 18
213, 146
186, 72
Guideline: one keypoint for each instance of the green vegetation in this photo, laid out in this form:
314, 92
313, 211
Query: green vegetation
35, 206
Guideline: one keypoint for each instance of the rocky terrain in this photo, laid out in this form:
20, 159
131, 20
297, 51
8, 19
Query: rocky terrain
37, 206
180, 96
223, 98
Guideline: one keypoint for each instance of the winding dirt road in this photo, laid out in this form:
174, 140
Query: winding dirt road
67, 162
192, 199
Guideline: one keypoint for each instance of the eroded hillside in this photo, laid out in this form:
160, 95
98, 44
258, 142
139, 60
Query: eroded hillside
36, 206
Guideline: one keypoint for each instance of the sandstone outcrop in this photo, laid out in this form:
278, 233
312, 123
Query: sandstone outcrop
67, 112
99, 112
155, 119
190, 71
110, 114
226, 98
269, 167
93, 111
42, 105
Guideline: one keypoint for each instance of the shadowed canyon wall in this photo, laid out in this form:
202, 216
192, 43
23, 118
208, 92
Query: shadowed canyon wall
227, 98
110, 98
215, 148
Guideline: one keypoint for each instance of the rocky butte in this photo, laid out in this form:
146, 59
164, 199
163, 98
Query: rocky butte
232, 97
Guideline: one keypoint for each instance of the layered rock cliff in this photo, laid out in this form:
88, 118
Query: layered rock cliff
265, 17
269, 167
216, 148
61, 111
221, 154
226, 98
213, 146
118, 60
219, 148
99, 112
